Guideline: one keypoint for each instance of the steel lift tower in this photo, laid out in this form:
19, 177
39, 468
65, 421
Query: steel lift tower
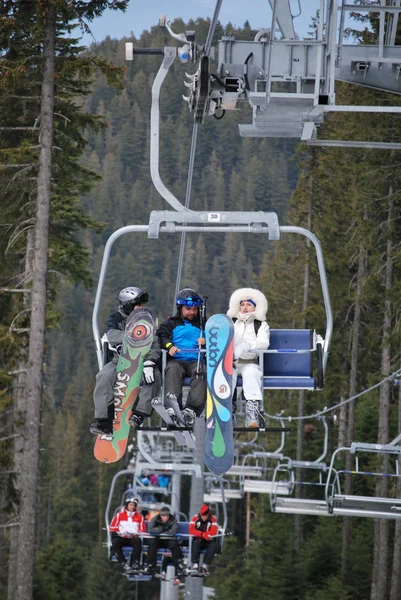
290, 82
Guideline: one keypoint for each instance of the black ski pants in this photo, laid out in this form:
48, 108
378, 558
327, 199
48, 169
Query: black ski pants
135, 543
199, 544
176, 371
172, 544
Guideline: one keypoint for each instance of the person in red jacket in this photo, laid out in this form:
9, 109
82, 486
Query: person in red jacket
203, 527
125, 527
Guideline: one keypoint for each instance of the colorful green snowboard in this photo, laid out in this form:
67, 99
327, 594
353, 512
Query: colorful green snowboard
140, 330
219, 441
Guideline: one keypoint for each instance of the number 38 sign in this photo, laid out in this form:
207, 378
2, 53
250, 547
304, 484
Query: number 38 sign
213, 217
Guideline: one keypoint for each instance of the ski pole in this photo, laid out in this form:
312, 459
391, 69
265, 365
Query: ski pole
202, 315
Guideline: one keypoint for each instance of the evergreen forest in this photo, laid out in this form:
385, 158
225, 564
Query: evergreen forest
350, 198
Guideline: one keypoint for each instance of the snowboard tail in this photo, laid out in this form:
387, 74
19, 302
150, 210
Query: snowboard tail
219, 441
138, 337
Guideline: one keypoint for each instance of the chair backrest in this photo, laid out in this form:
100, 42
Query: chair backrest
289, 364
183, 527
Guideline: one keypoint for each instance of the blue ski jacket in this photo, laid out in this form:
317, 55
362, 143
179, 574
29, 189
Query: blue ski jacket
183, 334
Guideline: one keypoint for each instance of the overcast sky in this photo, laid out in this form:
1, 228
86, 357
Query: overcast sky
142, 15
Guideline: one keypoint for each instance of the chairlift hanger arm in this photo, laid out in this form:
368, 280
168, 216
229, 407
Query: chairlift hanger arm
323, 281
170, 54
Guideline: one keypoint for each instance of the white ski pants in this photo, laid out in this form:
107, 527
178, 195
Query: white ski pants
251, 380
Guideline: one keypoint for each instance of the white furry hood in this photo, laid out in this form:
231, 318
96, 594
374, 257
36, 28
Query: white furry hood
243, 294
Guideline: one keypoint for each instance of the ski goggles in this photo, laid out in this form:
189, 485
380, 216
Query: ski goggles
191, 301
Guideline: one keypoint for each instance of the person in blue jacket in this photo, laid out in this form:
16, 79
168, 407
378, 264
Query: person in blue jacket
181, 336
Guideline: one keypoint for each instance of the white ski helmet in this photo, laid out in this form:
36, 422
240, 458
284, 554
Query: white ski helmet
131, 499
130, 297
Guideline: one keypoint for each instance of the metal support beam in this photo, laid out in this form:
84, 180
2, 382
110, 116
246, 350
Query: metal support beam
284, 18
253, 221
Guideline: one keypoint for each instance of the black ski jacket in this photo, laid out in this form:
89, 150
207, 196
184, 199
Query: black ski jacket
156, 526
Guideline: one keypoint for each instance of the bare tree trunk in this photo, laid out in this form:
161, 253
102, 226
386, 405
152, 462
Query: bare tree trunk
380, 547
346, 536
301, 394
395, 591
30, 460
342, 425
19, 396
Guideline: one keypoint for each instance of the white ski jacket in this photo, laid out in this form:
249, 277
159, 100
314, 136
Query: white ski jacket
246, 342
244, 333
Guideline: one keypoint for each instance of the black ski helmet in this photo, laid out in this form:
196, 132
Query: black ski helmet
129, 297
188, 297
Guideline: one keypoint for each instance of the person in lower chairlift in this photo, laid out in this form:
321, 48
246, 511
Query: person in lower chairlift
202, 527
125, 527
164, 523
248, 308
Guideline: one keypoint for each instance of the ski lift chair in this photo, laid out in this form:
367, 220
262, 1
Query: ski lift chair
252, 482
351, 505
299, 505
239, 468
214, 493
288, 468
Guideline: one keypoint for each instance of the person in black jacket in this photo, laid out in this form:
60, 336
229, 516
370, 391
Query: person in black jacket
164, 523
130, 298
182, 336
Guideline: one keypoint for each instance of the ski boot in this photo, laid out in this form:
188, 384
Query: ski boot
135, 567
194, 570
252, 414
173, 417
189, 417
136, 421
101, 427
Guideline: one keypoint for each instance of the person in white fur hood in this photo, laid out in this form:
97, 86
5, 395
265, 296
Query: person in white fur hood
248, 308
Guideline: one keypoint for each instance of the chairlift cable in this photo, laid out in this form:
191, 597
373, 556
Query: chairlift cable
213, 23
206, 52
186, 204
